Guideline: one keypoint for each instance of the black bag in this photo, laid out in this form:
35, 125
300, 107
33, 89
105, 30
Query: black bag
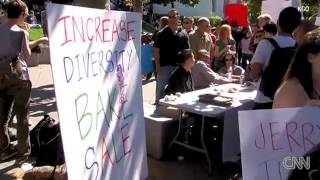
46, 143
275, 71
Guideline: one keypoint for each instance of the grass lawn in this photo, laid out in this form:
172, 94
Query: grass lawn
35, 34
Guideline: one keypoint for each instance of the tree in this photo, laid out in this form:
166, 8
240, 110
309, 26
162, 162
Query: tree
254, 7
310, 7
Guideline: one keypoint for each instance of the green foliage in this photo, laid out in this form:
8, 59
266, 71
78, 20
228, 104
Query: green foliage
312, 6
254, 7
35, 34
148, 27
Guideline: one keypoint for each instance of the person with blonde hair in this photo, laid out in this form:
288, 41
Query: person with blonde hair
264, 19
224, 44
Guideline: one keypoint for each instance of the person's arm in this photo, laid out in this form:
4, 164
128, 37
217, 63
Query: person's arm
218, 53
284, 96
25, 49
233, 47
260, 57
313, 102
213, 77
43, 40
156, 52
212, 52
193, 45
256, 71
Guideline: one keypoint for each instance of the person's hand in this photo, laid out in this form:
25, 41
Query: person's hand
227, 48
313, 103
235, 81
44, 40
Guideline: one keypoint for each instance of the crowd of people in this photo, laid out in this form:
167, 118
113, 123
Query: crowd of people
187, 58
196, 55
282, 58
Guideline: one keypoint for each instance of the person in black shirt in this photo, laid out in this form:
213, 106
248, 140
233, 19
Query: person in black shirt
181, 80
169, 42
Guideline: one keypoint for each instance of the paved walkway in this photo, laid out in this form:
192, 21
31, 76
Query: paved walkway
43, 95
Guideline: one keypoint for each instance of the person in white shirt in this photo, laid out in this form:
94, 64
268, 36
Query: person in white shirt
246, 54
288, 20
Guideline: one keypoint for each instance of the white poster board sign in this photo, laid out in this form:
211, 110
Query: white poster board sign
274, 7
269, 136
95, 57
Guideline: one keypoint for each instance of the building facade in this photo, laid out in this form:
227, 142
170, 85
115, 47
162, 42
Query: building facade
205, 8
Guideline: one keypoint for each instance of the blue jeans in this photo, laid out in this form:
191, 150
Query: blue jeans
244, 59
162, 81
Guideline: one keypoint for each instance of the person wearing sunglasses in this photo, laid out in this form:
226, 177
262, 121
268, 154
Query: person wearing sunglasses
224, 44
230, 68
168, 43
203, 76
188, 24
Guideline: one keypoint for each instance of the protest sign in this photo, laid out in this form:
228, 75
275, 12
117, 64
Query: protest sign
238, 13
274, 7
95, 58
272, 139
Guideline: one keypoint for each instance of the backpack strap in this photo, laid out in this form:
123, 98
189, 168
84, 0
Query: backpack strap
273, 42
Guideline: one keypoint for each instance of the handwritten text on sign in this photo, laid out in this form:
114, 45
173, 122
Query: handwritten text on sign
269, 136
95, 64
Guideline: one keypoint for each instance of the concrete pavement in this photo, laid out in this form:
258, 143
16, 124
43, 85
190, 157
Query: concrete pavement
43, 96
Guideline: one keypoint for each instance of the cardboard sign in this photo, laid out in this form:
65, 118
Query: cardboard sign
236, 13
269, 137
274, 7
95, 57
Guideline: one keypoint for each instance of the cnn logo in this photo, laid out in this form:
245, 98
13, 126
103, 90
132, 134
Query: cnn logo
291, 162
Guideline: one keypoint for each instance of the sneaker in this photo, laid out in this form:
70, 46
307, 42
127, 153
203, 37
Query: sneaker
8, 153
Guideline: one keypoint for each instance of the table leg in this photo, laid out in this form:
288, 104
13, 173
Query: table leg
204, 145
179, 129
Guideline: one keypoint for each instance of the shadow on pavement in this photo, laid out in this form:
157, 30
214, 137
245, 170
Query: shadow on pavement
43, 100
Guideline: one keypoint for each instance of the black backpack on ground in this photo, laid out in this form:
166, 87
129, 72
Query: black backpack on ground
279, 62
46, 142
